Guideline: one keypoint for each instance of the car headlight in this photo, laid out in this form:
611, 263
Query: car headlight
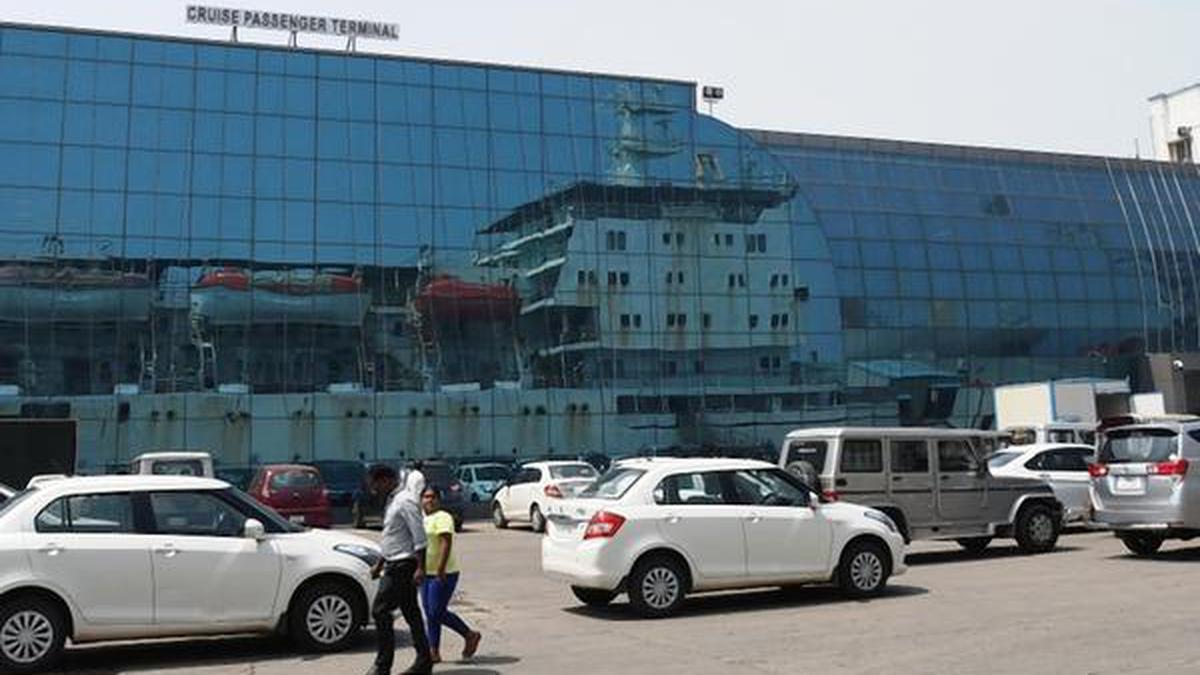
366, 554
880, 517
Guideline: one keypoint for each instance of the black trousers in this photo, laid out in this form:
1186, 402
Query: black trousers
396, 589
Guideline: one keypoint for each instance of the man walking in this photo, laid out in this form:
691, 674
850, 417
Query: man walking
402, 569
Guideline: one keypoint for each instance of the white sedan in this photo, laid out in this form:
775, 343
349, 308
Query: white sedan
658, 529
134, 557
1064, 466
528, 494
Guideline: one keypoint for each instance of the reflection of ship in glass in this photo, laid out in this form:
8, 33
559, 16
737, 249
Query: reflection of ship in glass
73, 293
232, 295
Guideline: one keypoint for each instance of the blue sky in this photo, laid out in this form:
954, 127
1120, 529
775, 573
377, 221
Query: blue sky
1064, 75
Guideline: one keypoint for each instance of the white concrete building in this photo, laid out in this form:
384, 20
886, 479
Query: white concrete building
1174, 120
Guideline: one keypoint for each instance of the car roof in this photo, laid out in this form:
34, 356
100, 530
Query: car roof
143, 483
1041, 447
288, 467
557, 462
695, 463
172, 455
896, 432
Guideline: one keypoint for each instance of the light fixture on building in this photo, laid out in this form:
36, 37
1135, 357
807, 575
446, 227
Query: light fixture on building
712, 96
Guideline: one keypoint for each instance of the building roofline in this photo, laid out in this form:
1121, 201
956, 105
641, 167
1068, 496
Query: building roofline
784, 139
1174, 92
333, 52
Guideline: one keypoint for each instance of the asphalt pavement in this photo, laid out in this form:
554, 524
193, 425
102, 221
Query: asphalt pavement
1086, 608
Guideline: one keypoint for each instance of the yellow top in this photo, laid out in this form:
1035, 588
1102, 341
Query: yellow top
437, 524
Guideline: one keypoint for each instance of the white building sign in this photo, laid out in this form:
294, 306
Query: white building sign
295, 23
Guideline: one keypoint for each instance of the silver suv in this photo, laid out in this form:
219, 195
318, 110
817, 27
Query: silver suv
934, 483
1140, 486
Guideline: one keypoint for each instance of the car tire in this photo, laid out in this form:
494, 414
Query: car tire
1142, 544
864, 569
498, 518
593, 597
32, 634
536, 520
325, 617
1037, 529
657, 587
974, 544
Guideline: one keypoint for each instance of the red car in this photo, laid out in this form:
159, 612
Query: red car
295, 492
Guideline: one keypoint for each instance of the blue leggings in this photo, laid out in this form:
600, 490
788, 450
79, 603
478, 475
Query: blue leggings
435, 597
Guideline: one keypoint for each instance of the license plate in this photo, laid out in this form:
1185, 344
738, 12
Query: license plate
299, 520
1130, 484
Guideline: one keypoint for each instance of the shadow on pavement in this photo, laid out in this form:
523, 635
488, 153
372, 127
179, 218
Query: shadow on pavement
1190, 554
991, 553
750, 601
245, 652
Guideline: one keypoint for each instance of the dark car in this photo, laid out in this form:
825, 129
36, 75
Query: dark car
345, 480
368, 508
237, 476
442, 476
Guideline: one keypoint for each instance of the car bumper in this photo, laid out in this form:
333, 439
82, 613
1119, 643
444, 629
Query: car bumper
589, 564
899, 552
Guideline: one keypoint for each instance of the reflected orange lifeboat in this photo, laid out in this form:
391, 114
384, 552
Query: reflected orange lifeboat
448, 297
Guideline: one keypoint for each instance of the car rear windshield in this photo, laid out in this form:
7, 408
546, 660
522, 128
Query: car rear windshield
812, 452
568, 471
1002, 458
491, 473
295, 479
178, 467
1138, 445
613, 485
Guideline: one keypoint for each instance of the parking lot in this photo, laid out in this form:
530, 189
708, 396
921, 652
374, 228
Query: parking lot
1086, 608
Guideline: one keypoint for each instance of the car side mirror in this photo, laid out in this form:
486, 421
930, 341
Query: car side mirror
254, 529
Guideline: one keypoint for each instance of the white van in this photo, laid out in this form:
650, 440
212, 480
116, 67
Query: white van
934, 483
198, 464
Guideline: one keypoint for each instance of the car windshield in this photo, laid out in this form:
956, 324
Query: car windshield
492, 473
1002, 459
568, 471
7, 505
295, 479
1138, 445
613, 485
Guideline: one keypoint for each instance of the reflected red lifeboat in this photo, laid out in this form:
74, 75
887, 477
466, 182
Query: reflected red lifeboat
292, 282
448, 297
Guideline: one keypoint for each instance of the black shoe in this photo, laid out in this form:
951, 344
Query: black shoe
422, 666
376, 670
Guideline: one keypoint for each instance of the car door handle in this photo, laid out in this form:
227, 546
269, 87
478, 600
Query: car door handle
897, 479
51, 549
1044, 476
945, 477
167, 551
671, 520
753, 519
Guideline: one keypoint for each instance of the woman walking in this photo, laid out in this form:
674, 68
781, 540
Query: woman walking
441, 578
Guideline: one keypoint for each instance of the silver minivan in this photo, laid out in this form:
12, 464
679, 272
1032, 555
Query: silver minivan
1140, 483
934, 483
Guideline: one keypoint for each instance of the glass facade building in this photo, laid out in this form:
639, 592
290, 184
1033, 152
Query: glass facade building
273, 253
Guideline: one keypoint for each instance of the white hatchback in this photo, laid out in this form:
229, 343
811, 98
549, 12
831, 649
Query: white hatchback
1064, 466
535, 487
132, 557
659, 529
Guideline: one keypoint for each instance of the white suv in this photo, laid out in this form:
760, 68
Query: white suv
132, 557
658, 529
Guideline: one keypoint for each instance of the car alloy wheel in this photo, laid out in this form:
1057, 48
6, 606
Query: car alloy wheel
330, 618
660, 588
866, 571
1041, 528
27, 637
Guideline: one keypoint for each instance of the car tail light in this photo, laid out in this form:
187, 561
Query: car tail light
830, 495
553, 491
603, 525
1097, 470
1178, 467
